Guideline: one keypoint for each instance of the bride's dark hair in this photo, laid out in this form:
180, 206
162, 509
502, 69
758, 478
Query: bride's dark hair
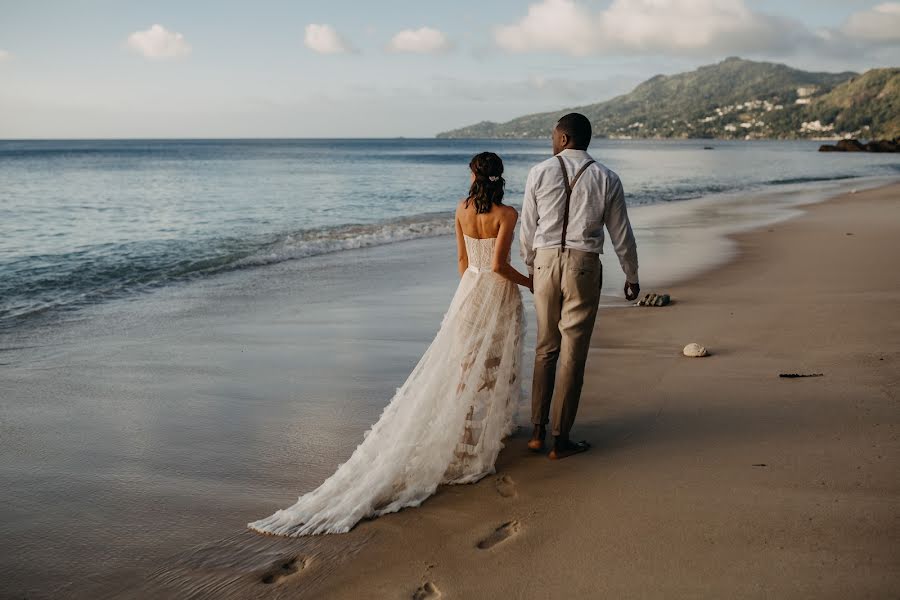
487, 188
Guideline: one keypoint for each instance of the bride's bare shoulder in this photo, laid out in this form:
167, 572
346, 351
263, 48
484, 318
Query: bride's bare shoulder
508, 212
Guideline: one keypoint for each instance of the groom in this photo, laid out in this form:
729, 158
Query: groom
568, 200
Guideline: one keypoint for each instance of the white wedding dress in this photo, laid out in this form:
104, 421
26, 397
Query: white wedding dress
445, 423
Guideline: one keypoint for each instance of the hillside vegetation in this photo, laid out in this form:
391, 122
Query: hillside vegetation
737, 99
869, 103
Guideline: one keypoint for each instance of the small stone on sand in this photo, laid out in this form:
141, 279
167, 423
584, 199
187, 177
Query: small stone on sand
694, 350
654, 300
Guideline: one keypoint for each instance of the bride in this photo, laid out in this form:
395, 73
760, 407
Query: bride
446, 422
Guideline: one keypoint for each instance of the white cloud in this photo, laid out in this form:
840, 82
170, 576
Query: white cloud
158, 42
880, 24
325, 40
687, 27
556, 25
691, 25
424, 40
5, 55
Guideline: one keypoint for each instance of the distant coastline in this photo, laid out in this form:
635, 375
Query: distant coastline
731, 100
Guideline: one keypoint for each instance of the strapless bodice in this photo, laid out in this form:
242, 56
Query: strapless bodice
480, 253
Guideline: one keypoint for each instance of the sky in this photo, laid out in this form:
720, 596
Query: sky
280, 68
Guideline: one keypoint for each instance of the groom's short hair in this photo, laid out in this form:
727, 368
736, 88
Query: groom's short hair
577, 127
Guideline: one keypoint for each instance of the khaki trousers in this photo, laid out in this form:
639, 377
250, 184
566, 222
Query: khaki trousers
566, 295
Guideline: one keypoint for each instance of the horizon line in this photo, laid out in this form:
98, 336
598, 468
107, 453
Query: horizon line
102, 139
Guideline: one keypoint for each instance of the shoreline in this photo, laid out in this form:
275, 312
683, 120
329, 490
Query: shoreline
824, 525
789, 493
101, 275
776, 204
183, 354
719, 486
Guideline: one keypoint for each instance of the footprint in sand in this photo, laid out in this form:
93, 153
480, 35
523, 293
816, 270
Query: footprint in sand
283, 569
506, 487
427, 591
502, 533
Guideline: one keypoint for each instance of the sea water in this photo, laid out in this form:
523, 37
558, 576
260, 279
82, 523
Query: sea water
82, 222
194, 333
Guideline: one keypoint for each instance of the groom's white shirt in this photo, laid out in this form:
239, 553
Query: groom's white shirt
597, 200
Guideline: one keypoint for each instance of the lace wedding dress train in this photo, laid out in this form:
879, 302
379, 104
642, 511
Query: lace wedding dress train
444, 425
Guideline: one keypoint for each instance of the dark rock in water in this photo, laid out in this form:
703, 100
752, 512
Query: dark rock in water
852, 145
883, 146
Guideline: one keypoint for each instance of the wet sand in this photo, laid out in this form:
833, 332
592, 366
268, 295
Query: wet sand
141, 437
709, 477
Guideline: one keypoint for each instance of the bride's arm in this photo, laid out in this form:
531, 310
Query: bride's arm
499, 262
462, 258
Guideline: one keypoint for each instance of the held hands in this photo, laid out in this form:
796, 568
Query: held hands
632, 290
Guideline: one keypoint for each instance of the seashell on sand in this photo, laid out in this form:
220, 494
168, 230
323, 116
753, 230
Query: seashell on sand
695, 350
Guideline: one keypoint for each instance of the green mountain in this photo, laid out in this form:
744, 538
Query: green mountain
869, 103
737, 99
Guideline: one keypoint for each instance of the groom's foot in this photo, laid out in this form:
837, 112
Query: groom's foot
536, 442
563, 447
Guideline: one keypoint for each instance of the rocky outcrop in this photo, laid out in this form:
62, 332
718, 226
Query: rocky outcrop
856, 146
884, 145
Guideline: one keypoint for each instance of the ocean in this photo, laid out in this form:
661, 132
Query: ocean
193, 333
82, 222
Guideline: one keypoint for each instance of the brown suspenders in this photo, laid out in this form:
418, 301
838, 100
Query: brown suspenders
569, 187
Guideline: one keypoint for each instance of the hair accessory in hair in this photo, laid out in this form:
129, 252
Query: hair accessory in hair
487, 186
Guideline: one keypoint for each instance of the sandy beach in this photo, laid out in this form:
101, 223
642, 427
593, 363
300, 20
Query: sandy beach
709, 477
233, 307
157, 438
